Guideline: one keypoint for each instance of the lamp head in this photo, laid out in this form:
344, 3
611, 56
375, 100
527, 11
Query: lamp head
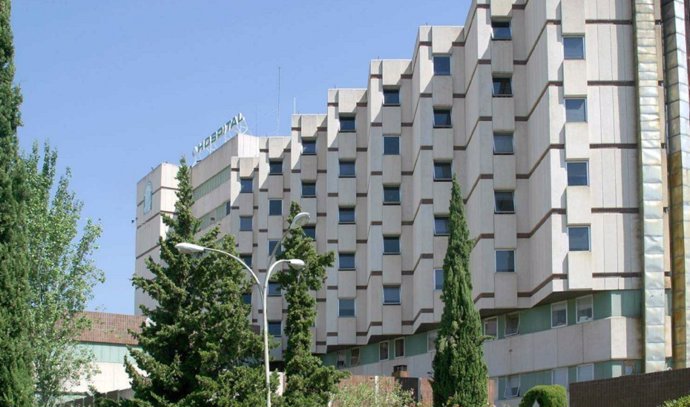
300, 219
189, 248
297, 263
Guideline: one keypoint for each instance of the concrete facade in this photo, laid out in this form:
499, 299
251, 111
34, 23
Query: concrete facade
551, 116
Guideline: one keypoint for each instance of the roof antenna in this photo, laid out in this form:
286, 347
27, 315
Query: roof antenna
278, 112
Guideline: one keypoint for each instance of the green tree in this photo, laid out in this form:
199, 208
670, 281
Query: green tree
199, 348
460, 375
16, 387
366, 395
61, 277
308, 382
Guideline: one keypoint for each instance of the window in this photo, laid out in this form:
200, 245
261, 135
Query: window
341, 360
560, 376
346, 215
247, 259
272, 246
391, 145
431, 341
391, 97
584, 309
441, 226
228, 207
577, 173
354, 357
503, 87
585, 372
512, 387
503, 143
274, 328
501, 30
512, 325
347, 169
245, 223
148, 197
346, 307
399, 347
247, 298
308, 189
310, 231
574, 47
275, 207
575, 110
442, 118
505, 261
347, 123
273, 289
308, 147
391, 245
578, 238
246, 185
442, 171
391, 295
383, 351
559, 314
441, 64
275, 167
491, 327
391, 195
504, 202
346, 261
438, 279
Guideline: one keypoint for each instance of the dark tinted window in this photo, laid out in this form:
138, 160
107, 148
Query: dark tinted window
308, 147
442, 65
274, 328
346, 215
574, 47
577, 173
346, 261
391, 295
310, 231
391, 245
578, 238
245, 223
438, 279
273, 289
246, 185
247, 259
505, 261
391, 145
275, 207
503, 143
442, 118
503, 87
391, 195
346, 307
441, 225
442, 171
347, 168
576, 110
247, 298
391, 97
501, 30
308, 189
275, 167
347, 123
504, 202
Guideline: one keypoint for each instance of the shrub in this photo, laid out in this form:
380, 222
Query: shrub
366, 395
681, 402
546, 395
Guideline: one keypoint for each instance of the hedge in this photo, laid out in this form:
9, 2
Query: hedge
681, 402
547, 396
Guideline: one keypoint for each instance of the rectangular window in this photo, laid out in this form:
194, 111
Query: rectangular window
578, 238
560, 376
275, 167
438, 279
391, 145
347, 169
442, 118
346, 307
272, 245
228, 207
346, 261
431, 341
310, 231
246, 185
275, 207
512, 387
584, 309
391, 97
512, 324
491, 327
559, 314
308, 147
574, 47
442, 65
391, 295
505, 261
245, 223
503, 143
441, 225
346, 215
585, 373
501, 30
347, 123
391, 245
575, 110
577, 173
247, 298
504, 202
308, 189
442, 171
383, 351
273, 289
354, 357
502, 87
399, 347
247, 259
274, 328
391, 195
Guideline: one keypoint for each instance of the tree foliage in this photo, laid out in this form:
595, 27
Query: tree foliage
16, 387
367, 395
308, 382
546, 395
198, 349
61, 277
460, 374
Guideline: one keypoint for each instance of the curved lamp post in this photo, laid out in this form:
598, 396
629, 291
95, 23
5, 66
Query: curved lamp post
299, 220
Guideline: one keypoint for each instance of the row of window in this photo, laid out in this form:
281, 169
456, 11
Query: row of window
583, 373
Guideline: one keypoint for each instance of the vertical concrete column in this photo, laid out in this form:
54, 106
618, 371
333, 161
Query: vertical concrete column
651, 186
676, 78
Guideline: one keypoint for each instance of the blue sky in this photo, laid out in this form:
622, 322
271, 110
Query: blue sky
120, 86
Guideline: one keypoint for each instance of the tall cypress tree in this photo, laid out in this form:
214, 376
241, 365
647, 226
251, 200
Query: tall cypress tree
198, 349
16, 387
460, 375
308, 382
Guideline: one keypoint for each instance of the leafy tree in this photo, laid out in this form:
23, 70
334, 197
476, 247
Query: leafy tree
61, 277
552, 395
308, 382
460, 375
366, 395
198, 349
16, 387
